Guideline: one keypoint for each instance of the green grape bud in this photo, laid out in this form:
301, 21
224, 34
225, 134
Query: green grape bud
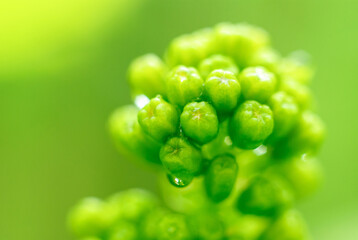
290, 225
303, 173
300, 93
173, 226
148, 227
180, 158
124, 230
285, 113
265, 196
266, 57
129, 136
220, 177
216, 62
306, 137
206, 225
257, 83
239, 41
184, 85
199, 122
223, 90
159, 119
87, 218
130, 205
146, 76
251, 124
190, 49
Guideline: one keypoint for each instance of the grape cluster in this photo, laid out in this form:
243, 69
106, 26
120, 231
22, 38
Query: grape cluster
231, 123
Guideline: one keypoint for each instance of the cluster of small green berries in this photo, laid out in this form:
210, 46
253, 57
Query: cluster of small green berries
219, 90
138, 215
231, 124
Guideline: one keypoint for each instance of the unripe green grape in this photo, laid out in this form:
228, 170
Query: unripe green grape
285, 113
300, 93
180, 158
290, 225
216, 62
146, 76
124, 230
190, 49
130, 205
206, 225
257, 83
129, 136
199, 122
220, 177
184, 85
265, 196
239, 41
173, 226
266, 57
87, 218
159, 119
223, 90
304, 174
306, 137
251, 124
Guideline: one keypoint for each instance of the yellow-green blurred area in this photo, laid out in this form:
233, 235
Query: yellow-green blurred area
63, 71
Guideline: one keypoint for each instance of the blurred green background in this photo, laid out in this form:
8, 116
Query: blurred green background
62, 71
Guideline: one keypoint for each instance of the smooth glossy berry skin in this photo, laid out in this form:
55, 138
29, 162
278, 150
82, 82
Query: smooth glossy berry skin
220, 177
147, 76
265, 196
306, 137
290, 225
216, 62
129, 136
131, 205
239, 41
124, 230
251, 124
257, 83
199, 122
184, 85
173, 226
190, 49
159, 119
300, 93
285, 113
223, 90
180, 158
87, 218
